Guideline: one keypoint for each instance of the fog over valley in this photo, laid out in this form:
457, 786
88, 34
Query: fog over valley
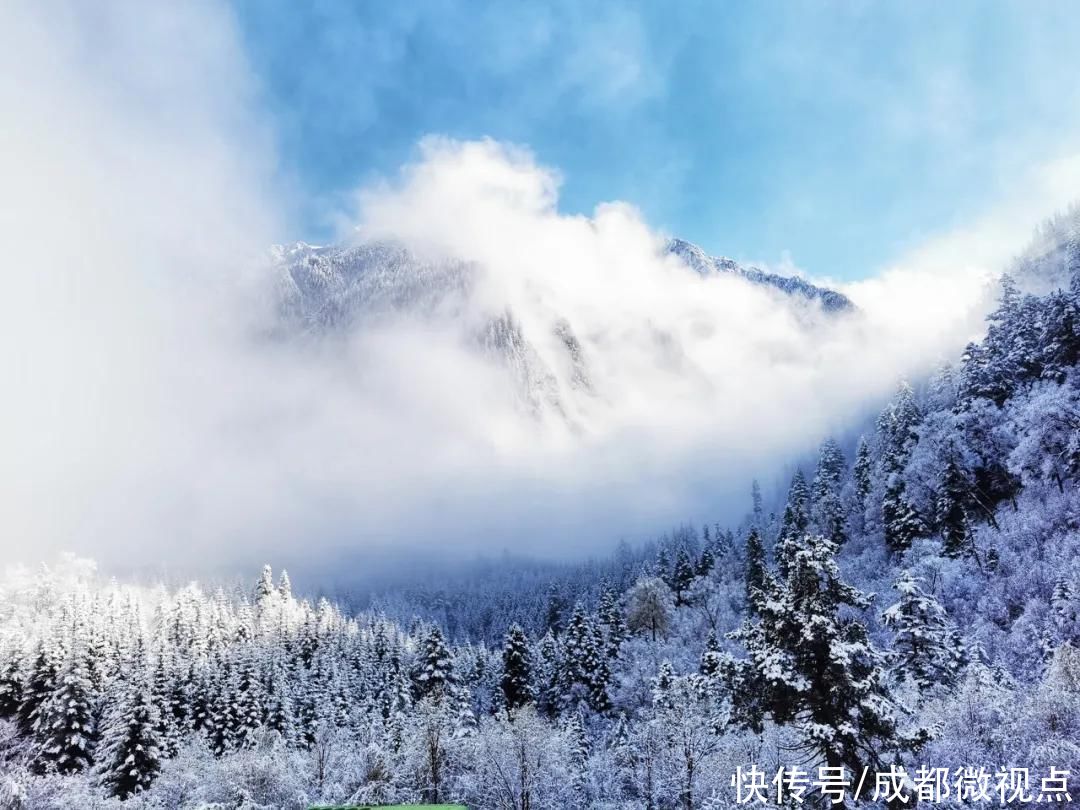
465, 367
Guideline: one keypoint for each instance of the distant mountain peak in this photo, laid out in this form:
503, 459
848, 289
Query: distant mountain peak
701, 262
551, 353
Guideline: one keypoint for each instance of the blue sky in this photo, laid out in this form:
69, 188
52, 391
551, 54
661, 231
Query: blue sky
840, 134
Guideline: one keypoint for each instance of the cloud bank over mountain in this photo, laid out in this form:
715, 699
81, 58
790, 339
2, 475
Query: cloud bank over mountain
155, 411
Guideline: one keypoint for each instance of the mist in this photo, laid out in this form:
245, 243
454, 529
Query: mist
147, 420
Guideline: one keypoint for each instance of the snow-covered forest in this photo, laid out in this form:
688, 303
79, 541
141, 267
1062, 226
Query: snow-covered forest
915, 601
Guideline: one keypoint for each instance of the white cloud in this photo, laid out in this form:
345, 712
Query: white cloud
145, 420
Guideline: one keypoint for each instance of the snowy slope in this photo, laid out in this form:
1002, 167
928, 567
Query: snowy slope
538, 339
698, 260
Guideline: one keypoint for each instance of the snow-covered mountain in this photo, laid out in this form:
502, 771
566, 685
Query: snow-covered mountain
697, 259
541, 339
332, 285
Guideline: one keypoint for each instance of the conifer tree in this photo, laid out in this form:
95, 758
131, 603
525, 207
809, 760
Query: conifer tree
664, 567
711, 657
598, 673
794, 524
285, 585
926, 648
64, 727
201, 698
662, 683
264, 588
517, 687
901, 522
612, 622
682, 576
434, 669
862, 472
623, 756
280, 715
221, 713
130, 755
578, 745
556, 608
897, 426
828, 684
102, 663
10, 685
40, 682
171, 702
758, 509
953, 513
756, 571
578, 657
548, 673
1066, 610
706, 562
465, 724
247, 712
828, 511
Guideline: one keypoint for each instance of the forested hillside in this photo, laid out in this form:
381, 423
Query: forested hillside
913, 602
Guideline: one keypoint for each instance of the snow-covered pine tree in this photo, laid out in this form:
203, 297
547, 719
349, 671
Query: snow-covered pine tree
900, 520
624, 757
1059, 349
682, 577
862, 472
794, 524
1065, 609
129, 756
465, 724
547, 678
578, 745
517, 688
711, 658
953, 515
280, 716
662, 683
248, 704
707, 561
828, 509
758, 508
555, 610
828, 684
103, 663
610, 615
756, 571
434, 669
10, 684
221, 708
39, 684
285, 586
897, 428
64, 727
169, 694
926, 648
579, 656
264, 587
598, 672
664, 566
